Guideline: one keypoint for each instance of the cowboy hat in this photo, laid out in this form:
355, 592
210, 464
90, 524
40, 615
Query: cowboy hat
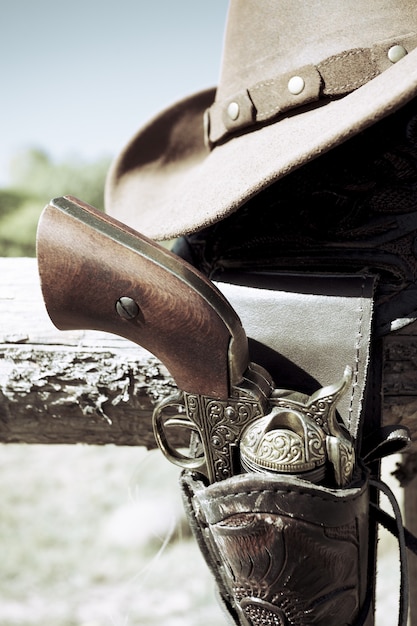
298, 78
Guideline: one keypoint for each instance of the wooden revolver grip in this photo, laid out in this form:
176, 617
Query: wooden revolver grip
96, 273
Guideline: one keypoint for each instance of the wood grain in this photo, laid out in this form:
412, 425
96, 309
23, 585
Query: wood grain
88, 261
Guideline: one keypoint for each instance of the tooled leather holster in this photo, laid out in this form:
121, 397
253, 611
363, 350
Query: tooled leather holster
319, 267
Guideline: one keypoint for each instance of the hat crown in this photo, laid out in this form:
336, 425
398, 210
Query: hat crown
269, 37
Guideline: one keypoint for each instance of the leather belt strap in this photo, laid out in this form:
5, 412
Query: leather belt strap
335, 76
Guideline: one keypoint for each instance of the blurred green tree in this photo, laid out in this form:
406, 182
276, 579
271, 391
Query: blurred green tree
35, 179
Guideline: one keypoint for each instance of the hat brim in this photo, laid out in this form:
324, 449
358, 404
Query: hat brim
166, 182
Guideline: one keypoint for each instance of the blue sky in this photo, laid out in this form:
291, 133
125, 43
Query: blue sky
79, 77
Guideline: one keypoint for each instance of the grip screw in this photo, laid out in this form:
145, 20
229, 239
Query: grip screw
127, 308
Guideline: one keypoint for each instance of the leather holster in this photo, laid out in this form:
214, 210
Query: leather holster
284, 551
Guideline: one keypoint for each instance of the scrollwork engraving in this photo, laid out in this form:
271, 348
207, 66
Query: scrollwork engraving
220, 424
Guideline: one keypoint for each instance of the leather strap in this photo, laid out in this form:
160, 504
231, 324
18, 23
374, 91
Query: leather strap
335, 76
402, 544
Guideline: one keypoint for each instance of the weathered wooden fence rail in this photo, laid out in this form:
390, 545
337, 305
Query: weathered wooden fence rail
70, 387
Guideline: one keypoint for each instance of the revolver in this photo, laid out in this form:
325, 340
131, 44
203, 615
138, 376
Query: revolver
97, 273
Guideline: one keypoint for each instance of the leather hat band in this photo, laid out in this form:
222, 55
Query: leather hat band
335, 76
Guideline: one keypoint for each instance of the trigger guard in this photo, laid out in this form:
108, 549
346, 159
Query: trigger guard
159, 429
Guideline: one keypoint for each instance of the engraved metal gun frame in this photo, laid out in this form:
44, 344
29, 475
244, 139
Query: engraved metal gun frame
256, 430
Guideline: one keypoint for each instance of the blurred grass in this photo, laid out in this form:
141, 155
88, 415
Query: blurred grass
35, 180
18, 229
95, 536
